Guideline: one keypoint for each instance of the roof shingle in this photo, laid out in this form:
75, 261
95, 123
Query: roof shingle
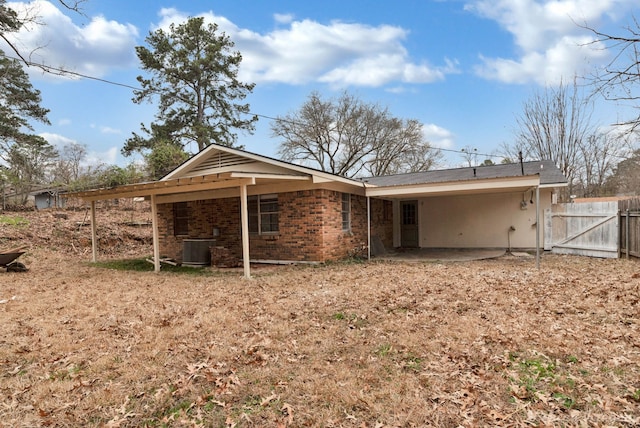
549, 174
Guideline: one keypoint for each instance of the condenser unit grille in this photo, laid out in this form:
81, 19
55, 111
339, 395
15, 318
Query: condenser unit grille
195, 252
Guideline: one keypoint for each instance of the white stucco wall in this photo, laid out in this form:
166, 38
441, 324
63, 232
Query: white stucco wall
480, 221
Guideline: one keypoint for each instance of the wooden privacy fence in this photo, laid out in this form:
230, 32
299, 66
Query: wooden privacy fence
629, 228
596, 229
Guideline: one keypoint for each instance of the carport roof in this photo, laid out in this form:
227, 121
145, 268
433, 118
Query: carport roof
549, 174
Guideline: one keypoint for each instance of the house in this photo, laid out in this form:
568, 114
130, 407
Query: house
257, 208
47, 198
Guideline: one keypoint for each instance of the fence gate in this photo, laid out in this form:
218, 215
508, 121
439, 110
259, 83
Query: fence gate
586, 229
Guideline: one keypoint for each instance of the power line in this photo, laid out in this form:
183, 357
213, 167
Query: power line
66, 73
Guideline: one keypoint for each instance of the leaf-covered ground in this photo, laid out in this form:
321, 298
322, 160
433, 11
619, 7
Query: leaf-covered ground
379, 344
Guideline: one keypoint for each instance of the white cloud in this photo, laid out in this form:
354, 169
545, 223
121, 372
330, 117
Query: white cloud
64, 122
56, 140
550, 43
281, 18
93, 158
570, 56
337, 53
109, 130
91, 49
438, 136
107, 157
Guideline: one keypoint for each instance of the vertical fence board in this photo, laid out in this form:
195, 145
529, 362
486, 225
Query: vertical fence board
588, 229
630, 233
598, 229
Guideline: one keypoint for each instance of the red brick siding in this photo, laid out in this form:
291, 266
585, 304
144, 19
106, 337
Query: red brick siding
339, 244
382, 221
310, 224
204, 216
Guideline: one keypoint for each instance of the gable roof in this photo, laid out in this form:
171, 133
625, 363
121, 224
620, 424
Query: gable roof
217, 159
550, 175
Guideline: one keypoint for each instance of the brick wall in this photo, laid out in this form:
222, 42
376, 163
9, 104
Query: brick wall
382, 221
310, 224
204, 216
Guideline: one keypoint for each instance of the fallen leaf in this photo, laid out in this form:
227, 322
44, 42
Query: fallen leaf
265, 401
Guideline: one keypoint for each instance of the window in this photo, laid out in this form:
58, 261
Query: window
181, 218
346, 212
263, 214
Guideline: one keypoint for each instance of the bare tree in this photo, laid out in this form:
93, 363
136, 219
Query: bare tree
625, 179
470, 155
600, 153
554, 125
29, 161
348, 137
68, 167
619, 79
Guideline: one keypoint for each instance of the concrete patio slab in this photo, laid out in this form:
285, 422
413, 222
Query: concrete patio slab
440, 254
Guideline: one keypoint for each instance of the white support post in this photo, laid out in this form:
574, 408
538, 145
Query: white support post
244, 222
538, 227
94, 232
368, 228
156, 234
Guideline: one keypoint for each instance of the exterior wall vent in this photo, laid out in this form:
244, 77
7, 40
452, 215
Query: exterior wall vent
195, 252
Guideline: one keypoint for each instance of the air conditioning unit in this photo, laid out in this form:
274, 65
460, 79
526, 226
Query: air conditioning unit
195, 252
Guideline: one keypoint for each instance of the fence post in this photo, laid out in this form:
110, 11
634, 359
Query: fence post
619, 233
626, 226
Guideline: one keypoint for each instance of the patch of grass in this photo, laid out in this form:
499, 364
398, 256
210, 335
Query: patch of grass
182, 406
536, 376
142, 265
13, 220
355, 321
412, 363
383, 350
66, 374
537, 368
251, 404
408, 361
566, 401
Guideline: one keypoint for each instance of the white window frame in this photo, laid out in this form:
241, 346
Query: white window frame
345, 200
256, 211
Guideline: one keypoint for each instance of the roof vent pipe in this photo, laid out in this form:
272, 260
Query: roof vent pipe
521, 163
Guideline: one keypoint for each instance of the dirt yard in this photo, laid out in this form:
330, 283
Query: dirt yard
378, 344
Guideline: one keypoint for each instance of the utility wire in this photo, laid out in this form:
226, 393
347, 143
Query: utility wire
66, 73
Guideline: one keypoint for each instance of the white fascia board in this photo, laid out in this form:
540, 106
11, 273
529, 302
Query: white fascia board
553, 185
156, 188
455, 187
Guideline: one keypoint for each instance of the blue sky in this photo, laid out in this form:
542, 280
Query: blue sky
462, 68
